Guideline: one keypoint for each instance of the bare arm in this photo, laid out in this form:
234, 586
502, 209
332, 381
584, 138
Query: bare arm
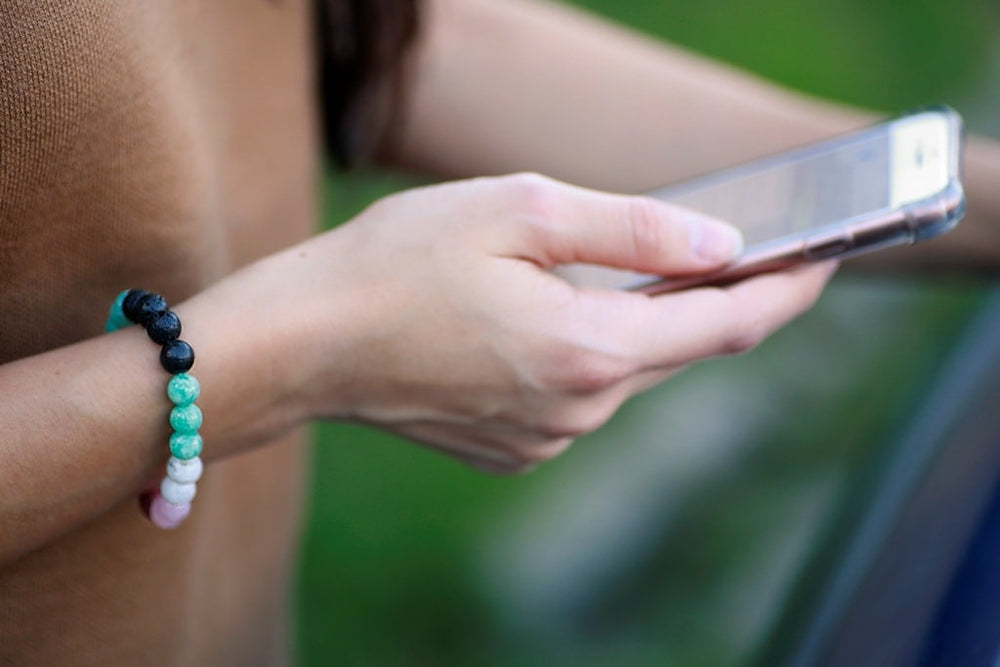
500, 368
85, 426
508, 85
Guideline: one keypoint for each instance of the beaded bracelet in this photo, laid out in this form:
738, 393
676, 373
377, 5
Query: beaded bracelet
171, 504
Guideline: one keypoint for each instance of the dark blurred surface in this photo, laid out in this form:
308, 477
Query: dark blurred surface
674, 536
907, 575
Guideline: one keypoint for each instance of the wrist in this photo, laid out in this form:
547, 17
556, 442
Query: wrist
280, 339
334, 315
247, 391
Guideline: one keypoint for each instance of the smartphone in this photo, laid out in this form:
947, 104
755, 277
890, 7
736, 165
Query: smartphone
892, 183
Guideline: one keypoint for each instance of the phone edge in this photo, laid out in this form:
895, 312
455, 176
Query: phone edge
917, 222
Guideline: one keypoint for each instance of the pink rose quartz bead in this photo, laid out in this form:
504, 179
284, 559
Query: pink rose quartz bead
167, 515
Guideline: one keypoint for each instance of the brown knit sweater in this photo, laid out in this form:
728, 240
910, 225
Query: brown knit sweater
156, 144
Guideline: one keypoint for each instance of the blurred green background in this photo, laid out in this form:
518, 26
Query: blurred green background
674, 535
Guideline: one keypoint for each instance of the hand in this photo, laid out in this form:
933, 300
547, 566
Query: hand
436, 315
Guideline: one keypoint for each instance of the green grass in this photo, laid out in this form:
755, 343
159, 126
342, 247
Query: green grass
393, 568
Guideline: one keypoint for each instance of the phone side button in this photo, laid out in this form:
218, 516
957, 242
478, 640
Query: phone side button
828, 249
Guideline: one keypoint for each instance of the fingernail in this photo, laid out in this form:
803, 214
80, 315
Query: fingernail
715, 241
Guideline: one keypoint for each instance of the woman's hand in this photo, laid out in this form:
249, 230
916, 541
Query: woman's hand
434, 314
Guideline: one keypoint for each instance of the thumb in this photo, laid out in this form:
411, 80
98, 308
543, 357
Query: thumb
631, 232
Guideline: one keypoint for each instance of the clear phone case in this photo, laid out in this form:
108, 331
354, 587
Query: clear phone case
879, 228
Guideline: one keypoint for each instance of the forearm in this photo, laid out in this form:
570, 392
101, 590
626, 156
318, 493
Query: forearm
82, 427
509, 85
85, 427
513, 85
394, 319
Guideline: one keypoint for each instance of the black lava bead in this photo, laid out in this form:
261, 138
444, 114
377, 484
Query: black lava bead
164, 327
151, 306
130, 306
176, 357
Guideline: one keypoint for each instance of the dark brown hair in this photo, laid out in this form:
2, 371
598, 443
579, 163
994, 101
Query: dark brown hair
361, 47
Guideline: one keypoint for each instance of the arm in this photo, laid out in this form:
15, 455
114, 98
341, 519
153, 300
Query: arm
85, 427
507, 85
432, 315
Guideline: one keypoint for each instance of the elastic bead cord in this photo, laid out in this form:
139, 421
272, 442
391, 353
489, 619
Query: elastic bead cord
171, 503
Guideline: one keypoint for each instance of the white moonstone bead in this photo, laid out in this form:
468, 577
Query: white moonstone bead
184, 472
177, 493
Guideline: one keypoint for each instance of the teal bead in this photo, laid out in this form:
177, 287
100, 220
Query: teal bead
113, 325
116, 318
185, 446
183, 389
185, 418
117, 308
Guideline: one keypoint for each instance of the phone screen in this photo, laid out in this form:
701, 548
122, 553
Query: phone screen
813, 192
885, 167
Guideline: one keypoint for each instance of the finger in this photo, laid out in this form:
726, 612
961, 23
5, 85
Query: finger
678, 328
568, 224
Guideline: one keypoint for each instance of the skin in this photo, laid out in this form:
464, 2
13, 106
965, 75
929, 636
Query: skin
541, 361
583, 100
433, 314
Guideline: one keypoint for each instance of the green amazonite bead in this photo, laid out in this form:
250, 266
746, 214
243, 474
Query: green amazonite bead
116, 318
183, 389
185, 446
185, 418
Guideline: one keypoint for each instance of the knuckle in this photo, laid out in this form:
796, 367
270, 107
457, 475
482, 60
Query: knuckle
746, 337
648, 235
546, 451
576, 422
585, 373
528, 181
533, 192
552, 449
589, 421
534, 203
382, 207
